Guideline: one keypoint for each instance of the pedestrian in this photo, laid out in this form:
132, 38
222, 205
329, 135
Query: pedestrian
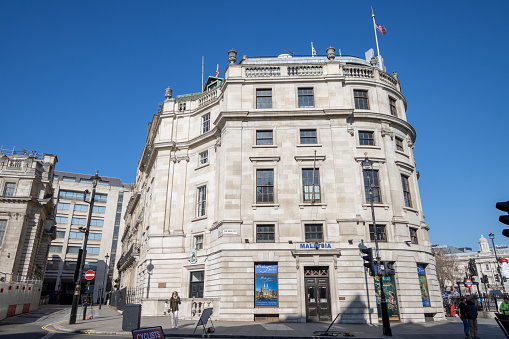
464, 317
174, 309
472, 317
504, 307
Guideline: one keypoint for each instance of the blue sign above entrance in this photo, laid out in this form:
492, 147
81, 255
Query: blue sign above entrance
315, 245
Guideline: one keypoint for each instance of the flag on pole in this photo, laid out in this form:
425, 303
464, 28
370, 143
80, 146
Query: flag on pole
381, 29
313, 52
217, 71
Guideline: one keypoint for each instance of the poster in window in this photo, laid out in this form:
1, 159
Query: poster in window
266, 288
390, 296
423, 283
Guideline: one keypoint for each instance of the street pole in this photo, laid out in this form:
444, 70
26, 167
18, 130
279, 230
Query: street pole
77, 290
492, 237
383, 301
106, 271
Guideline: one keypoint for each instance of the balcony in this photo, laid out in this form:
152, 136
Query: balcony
128, 258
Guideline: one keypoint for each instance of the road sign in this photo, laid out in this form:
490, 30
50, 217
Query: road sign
89, 275
468, 283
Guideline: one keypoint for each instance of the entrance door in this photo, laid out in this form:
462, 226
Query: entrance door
317, 293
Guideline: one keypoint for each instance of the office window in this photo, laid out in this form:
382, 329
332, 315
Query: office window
265, 186
76, 235
366, 138
413, 236
53, 265
90, 265
71, 195
99, 209
311, 184
308, 136
198, 242
78, 221
196, 284
369, 180
55, 249
406, 191
205, 123
81, 208
63, 206
201, 201
3, 226
85, 181
399, 144
101, 198
265, 233
382, 236
264, 137
69, 179
96, 222
204, 158
60, 234
103, 183
313, 232
94, 236
74, 249
263, 98
9, 189
70, 265
61, 220
306, 97
361, 99
92, 250
392, 105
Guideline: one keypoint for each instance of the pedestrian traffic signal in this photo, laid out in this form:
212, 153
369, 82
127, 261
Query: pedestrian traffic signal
504, 207
388, 269
368, 260
484, 279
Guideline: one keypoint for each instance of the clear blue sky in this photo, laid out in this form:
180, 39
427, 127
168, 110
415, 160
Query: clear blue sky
82, 80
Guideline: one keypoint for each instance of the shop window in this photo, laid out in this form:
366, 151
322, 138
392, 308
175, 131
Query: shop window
423, 283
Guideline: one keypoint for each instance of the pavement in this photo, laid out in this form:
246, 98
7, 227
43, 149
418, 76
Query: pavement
108, 321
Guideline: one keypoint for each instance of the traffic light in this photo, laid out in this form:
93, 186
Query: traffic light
484, 279
504, 207
497, 278
368, 260
388, 269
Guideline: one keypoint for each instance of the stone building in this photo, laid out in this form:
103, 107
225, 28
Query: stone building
26, 213
251, 197
106, 226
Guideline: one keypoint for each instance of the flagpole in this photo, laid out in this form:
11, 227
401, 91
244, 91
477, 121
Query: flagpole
202, 64
374, 26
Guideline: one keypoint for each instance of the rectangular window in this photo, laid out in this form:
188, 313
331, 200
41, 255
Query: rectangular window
76, 235
201, 201
265, 186
198, 242
311, 185
197, 283
361, 99
90, 265
93, 250
263, 98
265, 233
81, 208
366, 138
9, 189
313, 232
63, 206
423, 283
306, 97
69, 179
204, 158
70, 265
371, 180
71, 195
3, 226
55, 249
61, 220
85, 181
205, 123
308, 136
101, 198
94, 236
78, 221
74, 249
380, 229
53, 265
96, 222
392, 105
406, 191
266, 285
99, 209
413, 236
399, 144
103, 183
60, 234
264, 137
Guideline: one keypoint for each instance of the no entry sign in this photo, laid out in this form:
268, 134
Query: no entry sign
468, 283
89, 275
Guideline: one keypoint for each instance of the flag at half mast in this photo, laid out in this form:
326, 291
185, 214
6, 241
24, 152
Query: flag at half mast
313, 52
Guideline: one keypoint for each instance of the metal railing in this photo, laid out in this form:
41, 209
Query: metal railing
128, 257
8, 277
126, 296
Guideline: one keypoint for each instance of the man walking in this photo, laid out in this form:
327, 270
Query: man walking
504, 307
472, 317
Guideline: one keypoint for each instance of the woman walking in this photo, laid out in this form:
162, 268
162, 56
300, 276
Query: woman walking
174, 309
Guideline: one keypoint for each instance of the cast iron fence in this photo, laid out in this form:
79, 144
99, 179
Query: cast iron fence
125, 296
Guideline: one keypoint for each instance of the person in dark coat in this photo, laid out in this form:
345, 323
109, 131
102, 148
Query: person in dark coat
472, 317
464, 317
174, 309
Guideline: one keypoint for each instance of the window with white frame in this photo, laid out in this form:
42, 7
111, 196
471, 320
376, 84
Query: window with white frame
198, 242
201, 201
406, 191
9, 189
311, 184
3, 226
204, 158
205, 123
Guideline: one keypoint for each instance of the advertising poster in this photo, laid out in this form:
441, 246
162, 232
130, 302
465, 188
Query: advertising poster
266, 293
423, 283
390, 295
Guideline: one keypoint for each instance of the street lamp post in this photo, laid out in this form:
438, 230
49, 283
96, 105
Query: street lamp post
492, 237
106, 270
77, 290
367, 164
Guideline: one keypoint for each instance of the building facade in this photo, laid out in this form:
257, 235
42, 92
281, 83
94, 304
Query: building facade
26, 213
106, 226
251, 197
